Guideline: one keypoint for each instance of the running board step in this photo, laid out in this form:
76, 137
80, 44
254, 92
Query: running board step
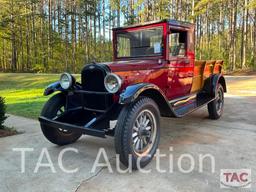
192, 104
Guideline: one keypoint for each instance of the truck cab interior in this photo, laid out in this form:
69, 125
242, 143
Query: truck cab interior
177, 43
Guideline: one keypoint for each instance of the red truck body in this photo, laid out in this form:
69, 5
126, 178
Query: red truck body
174, 75
153, 74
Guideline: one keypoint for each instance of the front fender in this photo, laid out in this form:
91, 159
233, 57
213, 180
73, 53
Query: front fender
52, 88
133, 91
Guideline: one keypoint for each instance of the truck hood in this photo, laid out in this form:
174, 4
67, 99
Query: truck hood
138, 71
131, 65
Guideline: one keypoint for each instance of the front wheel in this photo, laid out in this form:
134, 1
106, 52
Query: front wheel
215, 108
137, 132
54, 107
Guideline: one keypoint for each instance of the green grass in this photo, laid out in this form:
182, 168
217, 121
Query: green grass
23, 93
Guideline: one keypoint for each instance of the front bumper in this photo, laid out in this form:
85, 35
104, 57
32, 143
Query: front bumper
82, 116
66, 126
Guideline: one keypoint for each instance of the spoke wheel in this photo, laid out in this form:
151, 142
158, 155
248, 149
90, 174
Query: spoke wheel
215, 108
219, 102
144, 133
137, 132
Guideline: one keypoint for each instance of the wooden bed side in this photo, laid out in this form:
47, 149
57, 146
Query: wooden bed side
203, 69
209, 68
218, 67
198, 76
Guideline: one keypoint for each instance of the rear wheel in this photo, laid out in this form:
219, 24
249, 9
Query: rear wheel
137, 132
215, 108
54, 107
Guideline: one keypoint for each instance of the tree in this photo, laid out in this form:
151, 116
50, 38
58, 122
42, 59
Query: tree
244, 34
2, 112
53, 36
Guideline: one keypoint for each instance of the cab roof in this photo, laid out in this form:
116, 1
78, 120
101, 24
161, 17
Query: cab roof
171, 22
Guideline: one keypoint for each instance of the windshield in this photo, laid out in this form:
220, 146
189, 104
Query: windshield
141, 43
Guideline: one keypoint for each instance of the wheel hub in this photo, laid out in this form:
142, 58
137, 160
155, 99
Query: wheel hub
144, 132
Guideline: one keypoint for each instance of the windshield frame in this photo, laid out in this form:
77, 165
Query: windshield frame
134, 29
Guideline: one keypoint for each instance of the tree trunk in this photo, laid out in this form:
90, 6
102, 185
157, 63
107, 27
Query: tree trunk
66, 54
254, 54
49, 29
73, 35
4, 60
99, 31
118, 14
103, 21
13, 40
234, 34
94, 29
233, 22
193, 11
244, 35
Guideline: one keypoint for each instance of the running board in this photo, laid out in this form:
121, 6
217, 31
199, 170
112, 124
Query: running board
190, 103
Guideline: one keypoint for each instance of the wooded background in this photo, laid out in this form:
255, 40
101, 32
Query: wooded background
63, 35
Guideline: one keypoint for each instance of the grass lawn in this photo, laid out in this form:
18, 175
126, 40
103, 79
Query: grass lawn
24, 92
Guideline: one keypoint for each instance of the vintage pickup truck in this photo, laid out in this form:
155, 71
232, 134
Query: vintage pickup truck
153, 74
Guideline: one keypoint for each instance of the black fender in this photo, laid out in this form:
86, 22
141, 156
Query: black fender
132, 92
212, 82
52, 88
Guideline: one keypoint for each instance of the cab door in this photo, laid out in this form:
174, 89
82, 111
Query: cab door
180, 64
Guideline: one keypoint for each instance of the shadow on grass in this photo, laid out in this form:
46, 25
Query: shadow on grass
21, 81
28, 109
22, 84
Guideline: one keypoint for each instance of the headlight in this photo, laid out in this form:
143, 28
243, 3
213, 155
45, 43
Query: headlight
112, 83
66, 80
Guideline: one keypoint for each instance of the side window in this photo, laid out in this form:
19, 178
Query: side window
178, 43
156, 44
124, 46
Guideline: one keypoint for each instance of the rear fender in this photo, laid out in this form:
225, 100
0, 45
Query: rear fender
212, 82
